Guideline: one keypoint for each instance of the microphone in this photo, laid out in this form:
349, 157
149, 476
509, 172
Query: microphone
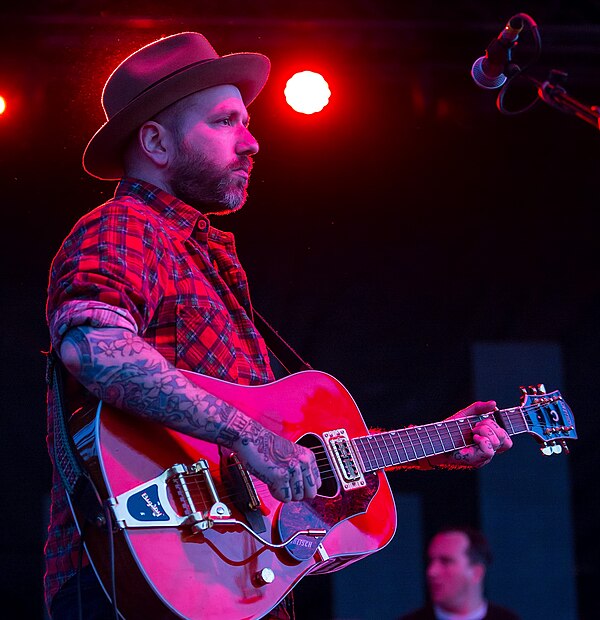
488, 71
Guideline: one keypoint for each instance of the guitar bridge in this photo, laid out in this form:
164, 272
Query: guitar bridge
344, 459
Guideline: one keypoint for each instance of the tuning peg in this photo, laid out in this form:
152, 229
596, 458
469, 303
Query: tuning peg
557, 448
563, 443
546, 450
541, 388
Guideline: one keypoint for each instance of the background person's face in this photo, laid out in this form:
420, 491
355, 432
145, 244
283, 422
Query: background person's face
450, 575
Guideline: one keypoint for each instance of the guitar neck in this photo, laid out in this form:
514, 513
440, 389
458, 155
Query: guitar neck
399, 447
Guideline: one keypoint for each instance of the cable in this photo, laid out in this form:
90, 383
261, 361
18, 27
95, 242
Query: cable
514, 71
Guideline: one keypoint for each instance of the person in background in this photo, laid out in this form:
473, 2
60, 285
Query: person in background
457, 561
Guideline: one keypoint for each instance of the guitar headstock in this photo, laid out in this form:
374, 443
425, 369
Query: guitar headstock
548, 418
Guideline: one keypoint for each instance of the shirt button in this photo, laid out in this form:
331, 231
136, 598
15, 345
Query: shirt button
201, 225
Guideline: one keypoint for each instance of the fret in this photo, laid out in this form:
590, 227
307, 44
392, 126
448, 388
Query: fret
372, 452
515, 418
419, 450
438, 441
524, 424
367, 453
384, 450
458, 434
357, 443
372, 458
398, 442
390, 437
422, 432
415, 455
506, 419
415, 432
505, 415
445, 436
379, 459
466, 429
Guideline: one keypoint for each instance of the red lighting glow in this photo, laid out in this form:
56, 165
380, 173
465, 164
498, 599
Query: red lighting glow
2, 104
307, 92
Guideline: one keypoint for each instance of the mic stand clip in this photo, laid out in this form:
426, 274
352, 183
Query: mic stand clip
553, 93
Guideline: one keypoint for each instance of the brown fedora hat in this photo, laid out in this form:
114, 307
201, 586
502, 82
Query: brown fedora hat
156, 76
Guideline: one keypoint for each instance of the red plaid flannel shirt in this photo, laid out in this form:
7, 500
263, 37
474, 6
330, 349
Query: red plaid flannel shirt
149, 263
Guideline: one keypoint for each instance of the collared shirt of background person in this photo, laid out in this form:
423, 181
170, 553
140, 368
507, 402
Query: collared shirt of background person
457, 561
145, 282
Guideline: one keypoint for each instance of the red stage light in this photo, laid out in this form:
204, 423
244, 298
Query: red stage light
2, 105
307, 92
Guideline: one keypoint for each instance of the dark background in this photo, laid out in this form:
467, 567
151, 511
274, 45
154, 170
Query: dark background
382, 237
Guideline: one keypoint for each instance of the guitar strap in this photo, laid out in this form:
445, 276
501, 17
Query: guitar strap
74, 477
67, 463
281, 350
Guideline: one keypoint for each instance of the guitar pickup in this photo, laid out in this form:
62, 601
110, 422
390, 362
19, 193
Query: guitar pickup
344, 459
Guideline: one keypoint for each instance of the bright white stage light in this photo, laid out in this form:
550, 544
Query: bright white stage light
307, 92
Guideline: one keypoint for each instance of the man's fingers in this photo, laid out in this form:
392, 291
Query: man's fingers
281, 491
290, 470
296, 482
312, 480
498, 437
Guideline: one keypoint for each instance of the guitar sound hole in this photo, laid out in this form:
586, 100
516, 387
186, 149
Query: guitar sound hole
329, 483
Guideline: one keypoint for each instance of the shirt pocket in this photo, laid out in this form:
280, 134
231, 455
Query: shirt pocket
205, 341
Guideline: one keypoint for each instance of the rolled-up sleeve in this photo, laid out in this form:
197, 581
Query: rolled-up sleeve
105, 273
77, 313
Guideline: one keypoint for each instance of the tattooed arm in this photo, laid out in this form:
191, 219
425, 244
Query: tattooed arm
124, 371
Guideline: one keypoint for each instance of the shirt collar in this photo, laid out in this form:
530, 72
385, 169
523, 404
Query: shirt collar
179, 214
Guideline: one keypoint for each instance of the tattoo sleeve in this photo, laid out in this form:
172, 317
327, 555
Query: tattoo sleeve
124, 371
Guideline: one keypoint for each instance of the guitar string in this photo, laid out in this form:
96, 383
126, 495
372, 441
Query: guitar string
398, 441
394, 437
320, 461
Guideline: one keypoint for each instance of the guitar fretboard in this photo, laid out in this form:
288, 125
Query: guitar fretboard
393, 448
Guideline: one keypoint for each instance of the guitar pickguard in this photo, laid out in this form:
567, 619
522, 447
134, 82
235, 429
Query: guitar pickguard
322, 513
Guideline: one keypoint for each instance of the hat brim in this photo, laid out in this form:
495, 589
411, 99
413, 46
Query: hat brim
103, 154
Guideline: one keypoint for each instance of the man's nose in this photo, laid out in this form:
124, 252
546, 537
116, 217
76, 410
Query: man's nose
432, 568
246, 144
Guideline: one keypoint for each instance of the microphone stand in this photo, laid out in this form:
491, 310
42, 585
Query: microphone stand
554, 94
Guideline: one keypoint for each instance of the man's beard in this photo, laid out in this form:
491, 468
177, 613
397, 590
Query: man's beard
207, 187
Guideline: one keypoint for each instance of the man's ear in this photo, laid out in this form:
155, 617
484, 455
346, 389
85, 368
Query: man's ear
155, 142
479, 572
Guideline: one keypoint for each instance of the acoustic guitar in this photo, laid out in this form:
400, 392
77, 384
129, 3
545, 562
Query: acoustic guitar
187, 532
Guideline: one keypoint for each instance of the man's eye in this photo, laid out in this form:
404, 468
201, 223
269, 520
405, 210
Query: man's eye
226, 121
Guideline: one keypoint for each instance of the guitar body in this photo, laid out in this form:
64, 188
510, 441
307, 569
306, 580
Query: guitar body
173, 572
